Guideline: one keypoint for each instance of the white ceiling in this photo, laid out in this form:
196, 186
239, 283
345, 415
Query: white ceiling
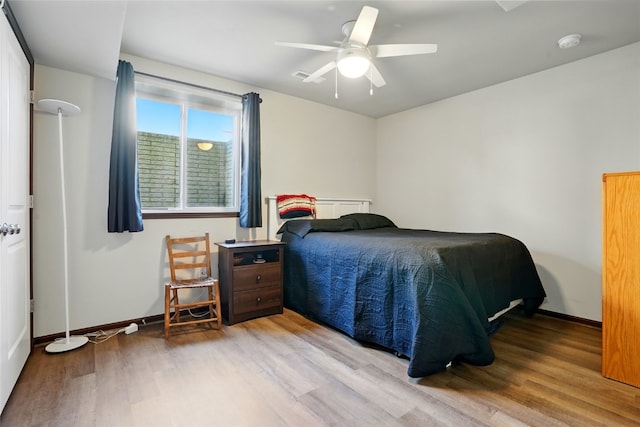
479, 43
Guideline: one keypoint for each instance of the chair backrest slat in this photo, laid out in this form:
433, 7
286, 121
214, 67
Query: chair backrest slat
197, 248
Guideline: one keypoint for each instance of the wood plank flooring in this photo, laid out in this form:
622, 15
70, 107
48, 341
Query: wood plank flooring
286, 370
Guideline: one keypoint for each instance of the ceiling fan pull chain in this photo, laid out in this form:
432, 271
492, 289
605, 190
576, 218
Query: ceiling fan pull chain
336, 94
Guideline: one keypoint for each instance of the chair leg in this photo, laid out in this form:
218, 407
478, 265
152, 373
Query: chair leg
167, 308
218, 306
176, 311
212, 312
171, 301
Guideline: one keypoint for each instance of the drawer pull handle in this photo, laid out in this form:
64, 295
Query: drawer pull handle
258, 300
258, 278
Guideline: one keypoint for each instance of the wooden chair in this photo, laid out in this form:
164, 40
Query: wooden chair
190, 265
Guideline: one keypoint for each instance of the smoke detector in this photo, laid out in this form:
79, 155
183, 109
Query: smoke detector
569, 41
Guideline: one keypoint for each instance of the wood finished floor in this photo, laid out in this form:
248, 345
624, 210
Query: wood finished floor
285, 370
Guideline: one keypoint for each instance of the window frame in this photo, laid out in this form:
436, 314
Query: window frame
189, 96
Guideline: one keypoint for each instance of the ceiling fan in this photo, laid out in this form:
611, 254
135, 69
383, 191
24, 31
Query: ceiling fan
354, 56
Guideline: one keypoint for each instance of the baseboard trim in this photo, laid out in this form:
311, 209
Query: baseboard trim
38, 341
569, 318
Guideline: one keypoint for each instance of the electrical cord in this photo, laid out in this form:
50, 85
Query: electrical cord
99, 337
204, 313
197, 316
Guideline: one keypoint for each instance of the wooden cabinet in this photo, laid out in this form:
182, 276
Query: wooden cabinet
621, 277
250, 279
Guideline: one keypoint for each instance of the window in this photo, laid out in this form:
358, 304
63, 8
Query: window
188, 149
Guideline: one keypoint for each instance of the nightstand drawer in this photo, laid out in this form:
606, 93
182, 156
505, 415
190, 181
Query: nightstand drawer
253, 276
258, 299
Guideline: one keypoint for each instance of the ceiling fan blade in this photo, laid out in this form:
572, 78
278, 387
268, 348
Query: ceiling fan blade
375, 77
508, 5
364, 25
308, 46
386, 50
320, 72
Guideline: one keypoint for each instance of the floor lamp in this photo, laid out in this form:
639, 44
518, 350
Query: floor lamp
55, 106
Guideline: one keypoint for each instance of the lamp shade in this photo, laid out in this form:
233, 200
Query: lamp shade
353, 62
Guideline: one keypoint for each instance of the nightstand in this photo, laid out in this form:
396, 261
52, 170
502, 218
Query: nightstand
250, 279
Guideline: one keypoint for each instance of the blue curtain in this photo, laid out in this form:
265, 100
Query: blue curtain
250, 185
124, 212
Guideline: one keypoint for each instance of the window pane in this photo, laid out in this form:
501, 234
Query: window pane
177, 172
158, 153
209, 159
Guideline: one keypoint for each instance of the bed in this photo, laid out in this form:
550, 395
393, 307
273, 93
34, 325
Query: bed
428, 295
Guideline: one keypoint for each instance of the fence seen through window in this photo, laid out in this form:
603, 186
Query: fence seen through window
187, 154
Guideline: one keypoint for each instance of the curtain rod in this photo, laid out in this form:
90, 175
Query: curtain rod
224, 92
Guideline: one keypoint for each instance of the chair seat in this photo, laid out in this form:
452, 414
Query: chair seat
181, 284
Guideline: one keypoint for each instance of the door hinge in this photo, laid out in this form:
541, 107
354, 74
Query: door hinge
30, 201
32, 96
32, 305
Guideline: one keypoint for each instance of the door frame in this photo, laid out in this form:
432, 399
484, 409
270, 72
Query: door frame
27, 52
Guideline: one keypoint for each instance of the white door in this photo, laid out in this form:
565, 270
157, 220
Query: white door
15, 319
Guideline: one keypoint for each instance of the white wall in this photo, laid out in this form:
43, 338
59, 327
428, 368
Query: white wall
116, 277
525, 158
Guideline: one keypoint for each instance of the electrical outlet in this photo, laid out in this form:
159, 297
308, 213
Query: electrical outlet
131, 329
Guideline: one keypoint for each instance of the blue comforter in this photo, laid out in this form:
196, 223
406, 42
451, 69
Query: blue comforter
425, 294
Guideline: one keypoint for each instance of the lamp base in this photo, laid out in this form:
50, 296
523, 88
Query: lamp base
66, 344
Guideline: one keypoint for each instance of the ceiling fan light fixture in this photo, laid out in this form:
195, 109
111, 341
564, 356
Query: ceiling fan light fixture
353, 62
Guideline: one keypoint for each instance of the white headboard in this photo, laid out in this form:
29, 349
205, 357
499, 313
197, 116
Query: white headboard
325, 208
